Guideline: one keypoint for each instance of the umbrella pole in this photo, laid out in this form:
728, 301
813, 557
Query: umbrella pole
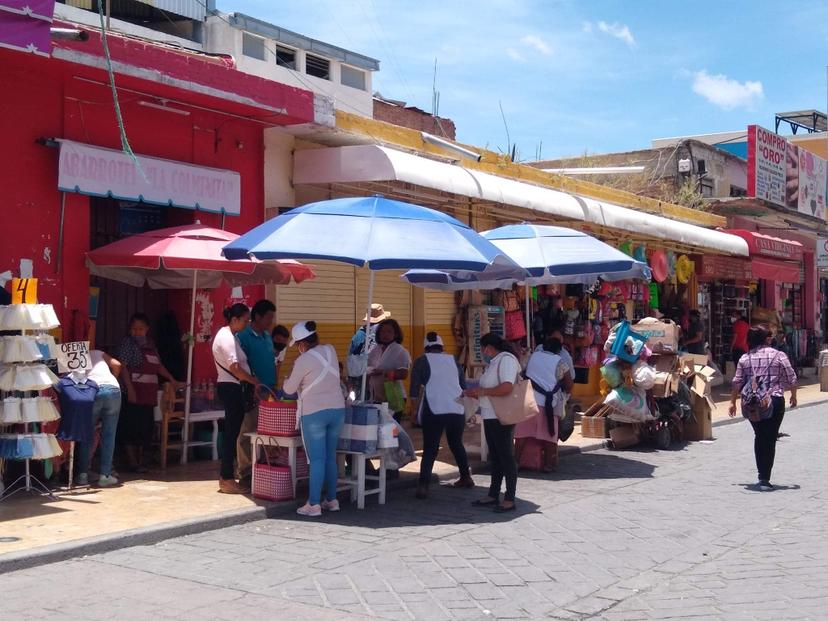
367, 332
187, 390
528, 320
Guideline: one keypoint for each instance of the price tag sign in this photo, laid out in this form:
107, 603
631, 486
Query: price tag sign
74, 356
24, 290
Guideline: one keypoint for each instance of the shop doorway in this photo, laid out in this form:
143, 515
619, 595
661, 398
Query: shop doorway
111, 220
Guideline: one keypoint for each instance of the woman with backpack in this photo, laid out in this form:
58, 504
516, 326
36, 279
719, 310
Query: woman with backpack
437, 385
551, 381
762, 375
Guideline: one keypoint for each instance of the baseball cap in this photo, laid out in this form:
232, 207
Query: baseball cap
301, 331
435, 341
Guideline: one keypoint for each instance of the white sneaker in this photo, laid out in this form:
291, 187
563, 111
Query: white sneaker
83, 479
330, 505
309, 510
107, 481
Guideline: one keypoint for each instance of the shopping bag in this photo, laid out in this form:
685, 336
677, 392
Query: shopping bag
394, 396
518, 405
271, 482
360, 431
277, 417
302, 465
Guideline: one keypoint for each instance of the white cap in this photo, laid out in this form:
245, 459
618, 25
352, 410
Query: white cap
436, 341
300, 332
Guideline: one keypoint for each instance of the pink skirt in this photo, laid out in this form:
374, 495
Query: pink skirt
537, 428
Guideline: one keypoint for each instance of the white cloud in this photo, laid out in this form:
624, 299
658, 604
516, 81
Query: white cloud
619, 31
726, 92
537, 44
515, 55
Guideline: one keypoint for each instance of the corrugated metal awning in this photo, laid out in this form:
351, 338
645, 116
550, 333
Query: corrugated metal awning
373, 163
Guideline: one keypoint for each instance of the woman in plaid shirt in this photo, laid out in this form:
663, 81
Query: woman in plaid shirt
774, 372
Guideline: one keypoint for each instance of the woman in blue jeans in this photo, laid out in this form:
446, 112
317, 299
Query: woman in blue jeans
106, 409
321, 413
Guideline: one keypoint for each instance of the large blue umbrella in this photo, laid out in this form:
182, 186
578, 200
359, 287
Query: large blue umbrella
373, 232
549, 254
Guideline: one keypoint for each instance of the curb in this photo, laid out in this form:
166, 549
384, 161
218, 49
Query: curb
150, 535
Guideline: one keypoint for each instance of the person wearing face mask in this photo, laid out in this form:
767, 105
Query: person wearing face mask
321, 411
498, 379
739, 344
236, 387
388, 361
139, 374
257, 344
280, 337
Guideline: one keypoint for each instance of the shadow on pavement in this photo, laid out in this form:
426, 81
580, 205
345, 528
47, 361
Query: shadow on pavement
599, 466
754, 487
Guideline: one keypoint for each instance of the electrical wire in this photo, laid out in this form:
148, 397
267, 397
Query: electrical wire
124, 140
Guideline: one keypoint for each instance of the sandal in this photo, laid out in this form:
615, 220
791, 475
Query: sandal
504, 509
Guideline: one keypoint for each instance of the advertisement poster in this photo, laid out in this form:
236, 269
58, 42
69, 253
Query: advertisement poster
783, 174
811, 185
766, 165
822, 252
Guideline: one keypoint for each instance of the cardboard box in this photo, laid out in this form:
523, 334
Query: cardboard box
666, 384
700, 427
594, 427
661, 335
664, 363
624, 436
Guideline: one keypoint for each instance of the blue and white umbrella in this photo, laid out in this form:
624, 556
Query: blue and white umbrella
377, 233
548, 254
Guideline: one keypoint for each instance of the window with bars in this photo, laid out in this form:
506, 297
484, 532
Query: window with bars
318, 67
285, 57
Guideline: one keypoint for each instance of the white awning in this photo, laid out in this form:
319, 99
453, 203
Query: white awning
372, 163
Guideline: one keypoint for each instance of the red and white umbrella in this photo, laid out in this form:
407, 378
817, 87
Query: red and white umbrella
187, 257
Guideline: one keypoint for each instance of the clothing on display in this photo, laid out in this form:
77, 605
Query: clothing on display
77, 398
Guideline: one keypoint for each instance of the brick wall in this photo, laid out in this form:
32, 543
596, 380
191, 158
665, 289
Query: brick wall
414, 118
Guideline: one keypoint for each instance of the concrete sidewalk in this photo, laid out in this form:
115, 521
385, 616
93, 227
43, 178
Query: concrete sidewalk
35, 529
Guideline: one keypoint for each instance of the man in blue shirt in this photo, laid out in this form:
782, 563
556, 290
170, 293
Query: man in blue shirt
257, 344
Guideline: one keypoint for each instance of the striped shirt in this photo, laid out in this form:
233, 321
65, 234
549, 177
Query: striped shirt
771, 367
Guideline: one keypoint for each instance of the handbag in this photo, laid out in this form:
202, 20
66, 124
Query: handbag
566, 425
248, 390
271, 482
518, 405
360, 431
302, 464
394, 396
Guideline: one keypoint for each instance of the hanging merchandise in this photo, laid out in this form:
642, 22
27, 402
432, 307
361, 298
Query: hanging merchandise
671, 264
684, 269
626, 248
654, 296
77, 397
659, 266
640, 253
515, 326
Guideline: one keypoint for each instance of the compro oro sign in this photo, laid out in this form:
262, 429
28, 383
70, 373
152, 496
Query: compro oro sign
97, 171
785, 174
822, 252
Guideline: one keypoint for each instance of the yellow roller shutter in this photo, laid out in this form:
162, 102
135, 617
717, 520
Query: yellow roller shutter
328, 299
439, 316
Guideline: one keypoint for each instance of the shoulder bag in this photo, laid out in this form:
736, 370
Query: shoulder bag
757, 404
518, 405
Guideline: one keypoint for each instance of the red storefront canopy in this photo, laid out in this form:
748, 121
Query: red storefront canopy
768, 246
779, 271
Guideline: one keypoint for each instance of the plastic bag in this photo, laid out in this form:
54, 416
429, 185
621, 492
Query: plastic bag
396, 458
630, 405
643, 375
612, 374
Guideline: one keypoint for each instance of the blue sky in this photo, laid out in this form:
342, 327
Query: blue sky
588, 76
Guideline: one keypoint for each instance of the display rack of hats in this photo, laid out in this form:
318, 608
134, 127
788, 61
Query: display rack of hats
26, 396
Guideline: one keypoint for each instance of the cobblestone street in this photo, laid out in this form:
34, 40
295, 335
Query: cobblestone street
612, 535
